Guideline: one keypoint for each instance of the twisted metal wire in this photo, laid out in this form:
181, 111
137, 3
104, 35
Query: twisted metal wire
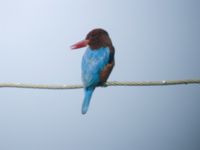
110, 83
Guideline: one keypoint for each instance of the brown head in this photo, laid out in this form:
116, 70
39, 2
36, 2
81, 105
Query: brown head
95, 39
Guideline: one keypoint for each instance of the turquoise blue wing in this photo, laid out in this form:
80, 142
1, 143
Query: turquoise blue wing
93, 63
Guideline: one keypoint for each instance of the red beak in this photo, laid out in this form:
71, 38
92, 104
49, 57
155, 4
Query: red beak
80, 44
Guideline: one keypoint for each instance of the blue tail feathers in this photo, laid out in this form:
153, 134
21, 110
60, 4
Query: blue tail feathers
87, 98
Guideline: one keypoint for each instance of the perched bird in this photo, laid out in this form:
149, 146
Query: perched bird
97, 62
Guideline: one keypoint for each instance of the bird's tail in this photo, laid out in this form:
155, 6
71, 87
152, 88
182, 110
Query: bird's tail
87, 98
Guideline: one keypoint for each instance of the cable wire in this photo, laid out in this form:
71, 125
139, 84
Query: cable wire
110, 83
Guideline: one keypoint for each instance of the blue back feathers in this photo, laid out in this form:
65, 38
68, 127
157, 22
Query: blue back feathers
93, 63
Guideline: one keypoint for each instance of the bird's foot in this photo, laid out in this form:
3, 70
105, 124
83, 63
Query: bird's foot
103, 85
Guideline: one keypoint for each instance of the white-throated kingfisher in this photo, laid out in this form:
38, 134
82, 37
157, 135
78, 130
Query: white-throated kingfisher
97, 62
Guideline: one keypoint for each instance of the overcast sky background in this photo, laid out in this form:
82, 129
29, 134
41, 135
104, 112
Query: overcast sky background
154, 40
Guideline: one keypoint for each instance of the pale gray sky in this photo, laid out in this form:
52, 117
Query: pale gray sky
154, 40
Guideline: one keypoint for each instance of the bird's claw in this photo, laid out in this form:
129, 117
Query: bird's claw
104, 85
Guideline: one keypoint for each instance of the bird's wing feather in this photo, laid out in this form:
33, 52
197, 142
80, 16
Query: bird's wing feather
93, 62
